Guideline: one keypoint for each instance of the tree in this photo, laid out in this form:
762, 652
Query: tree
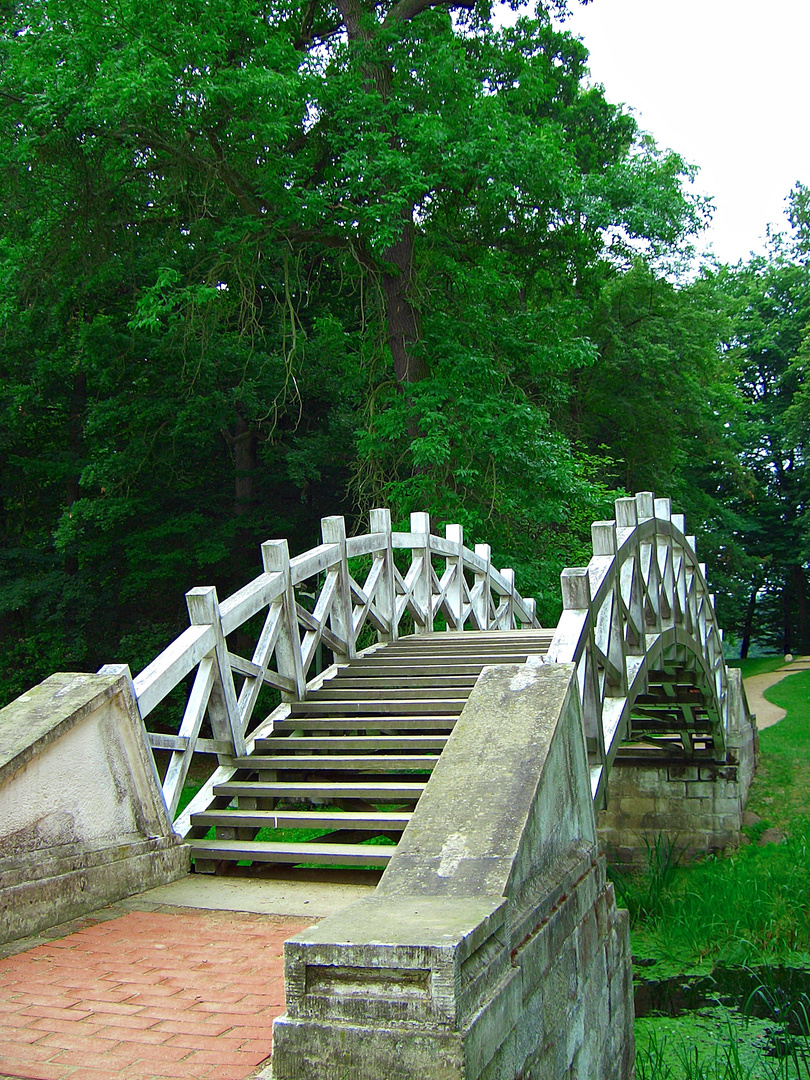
770, 347
258, 253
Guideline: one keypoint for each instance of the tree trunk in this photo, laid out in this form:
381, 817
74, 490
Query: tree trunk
786, 613
749, 617
78, 401
403, 325
799, 590
245, 464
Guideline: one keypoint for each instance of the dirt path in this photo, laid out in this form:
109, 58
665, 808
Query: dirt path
767, 713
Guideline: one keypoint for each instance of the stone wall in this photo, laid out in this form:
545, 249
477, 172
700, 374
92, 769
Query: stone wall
697, 806
82, 818
492, 948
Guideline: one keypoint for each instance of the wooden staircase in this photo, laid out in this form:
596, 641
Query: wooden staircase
350, 762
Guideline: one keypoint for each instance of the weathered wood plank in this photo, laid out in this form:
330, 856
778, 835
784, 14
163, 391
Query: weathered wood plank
172, 665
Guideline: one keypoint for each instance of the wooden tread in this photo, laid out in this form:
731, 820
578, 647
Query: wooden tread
376, 723
351, 742
425, 706
262, 851
381, 762
370, 821
384, 791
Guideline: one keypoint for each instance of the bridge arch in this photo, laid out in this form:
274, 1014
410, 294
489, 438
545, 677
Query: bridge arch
639, 625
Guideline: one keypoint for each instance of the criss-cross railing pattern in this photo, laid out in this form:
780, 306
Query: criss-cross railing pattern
466, 592
639, 624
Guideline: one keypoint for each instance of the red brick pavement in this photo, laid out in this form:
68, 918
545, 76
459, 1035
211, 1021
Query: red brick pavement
147, 995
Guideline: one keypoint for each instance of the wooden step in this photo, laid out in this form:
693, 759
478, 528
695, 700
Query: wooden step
503, 655
426, 706
375, 681
409, 674
391, 692
338, 762
370, 821
382, 791
377, 723
263, 851
351, 742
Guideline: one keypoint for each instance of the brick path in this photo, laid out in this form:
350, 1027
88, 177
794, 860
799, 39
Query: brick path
146, 995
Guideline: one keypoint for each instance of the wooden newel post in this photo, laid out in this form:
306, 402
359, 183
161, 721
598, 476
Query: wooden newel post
645, 505
423, 582
333, 531
455, 590
576, 588
576, 594
612, 640
626, 516
631, 590
223, 709
663, 515
276, 560
648, 560
483, 587
508, 620
380, 522
678, 570
530, 604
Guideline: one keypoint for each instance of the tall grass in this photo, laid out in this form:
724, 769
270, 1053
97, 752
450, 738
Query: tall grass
724, 1044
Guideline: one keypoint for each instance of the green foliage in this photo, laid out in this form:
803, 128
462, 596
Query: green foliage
780, 794
213, 217
644, 895
754, 904
719, 1044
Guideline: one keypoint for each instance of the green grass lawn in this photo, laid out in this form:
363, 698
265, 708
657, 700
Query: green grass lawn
749, 907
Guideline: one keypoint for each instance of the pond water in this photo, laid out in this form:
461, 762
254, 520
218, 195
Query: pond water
735, 1024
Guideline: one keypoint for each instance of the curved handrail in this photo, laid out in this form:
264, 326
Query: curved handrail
641, 602
467, 591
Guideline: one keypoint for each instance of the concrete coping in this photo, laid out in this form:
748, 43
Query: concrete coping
417, 921
41, 715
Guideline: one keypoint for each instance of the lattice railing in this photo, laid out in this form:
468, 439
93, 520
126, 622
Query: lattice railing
642, 602
351, 583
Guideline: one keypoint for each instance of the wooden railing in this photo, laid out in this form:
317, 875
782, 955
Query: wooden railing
466, 592
640, 604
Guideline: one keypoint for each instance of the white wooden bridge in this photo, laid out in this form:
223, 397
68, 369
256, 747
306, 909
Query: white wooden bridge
389, 701
409, 620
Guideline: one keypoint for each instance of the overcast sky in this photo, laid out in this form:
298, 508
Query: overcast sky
725, 83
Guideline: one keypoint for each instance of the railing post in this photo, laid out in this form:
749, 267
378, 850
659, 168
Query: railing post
508, 617
223, 709
648, 557
455, 591
482, 594
663, 512
530, 604
289, 662
576, 596
380, 522
333, 531
630, 575
678, 572
423, 585
611, 637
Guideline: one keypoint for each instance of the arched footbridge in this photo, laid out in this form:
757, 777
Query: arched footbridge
425, 723
390, 701
351, 744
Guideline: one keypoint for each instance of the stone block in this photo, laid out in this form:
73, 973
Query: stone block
682, 772
634, 807
82, 817
725, 807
